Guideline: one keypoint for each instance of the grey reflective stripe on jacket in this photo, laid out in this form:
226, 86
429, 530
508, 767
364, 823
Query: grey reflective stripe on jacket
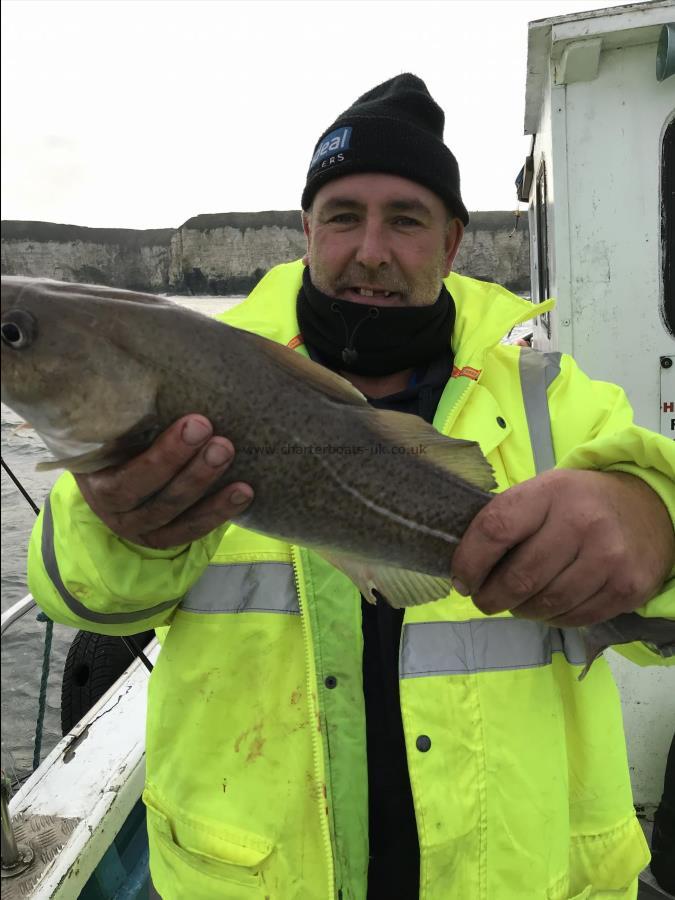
73, 604
483, 645
244, 587
427, 648
537, 371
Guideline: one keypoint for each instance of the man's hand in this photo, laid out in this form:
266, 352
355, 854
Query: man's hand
157, 498
567, 547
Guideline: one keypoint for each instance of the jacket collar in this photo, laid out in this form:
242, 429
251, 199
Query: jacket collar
485, 312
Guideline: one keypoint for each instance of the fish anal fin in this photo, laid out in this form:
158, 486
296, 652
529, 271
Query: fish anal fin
379, 581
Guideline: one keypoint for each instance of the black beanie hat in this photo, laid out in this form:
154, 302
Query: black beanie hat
397, 129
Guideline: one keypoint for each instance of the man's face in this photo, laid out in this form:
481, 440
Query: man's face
380, 240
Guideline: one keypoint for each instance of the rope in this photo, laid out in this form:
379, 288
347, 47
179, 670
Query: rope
42, 702
19, 485
516, 216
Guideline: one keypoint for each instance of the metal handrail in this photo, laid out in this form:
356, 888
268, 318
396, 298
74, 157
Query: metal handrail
15, 857
16, 612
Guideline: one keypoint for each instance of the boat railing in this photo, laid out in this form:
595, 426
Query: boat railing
55, 834
16, 612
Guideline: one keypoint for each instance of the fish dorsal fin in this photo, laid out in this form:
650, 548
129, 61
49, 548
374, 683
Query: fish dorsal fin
48, 287
461, 458
334, 386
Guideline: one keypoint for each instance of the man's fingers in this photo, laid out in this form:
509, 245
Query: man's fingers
622, 591
614, 527
571, 588
123, 488
202, 518
507, 520
183, 491
596, 608
159, 498
527, 571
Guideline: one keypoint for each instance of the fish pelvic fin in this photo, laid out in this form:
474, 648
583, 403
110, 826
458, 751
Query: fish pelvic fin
463, 459
397, 587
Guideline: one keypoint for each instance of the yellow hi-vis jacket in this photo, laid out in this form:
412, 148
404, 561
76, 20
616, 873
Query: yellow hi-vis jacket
256, 744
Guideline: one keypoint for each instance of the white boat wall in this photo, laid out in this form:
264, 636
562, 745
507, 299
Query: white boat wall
599, 184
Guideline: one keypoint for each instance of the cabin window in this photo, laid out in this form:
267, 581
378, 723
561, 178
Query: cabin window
668, 224
541, 286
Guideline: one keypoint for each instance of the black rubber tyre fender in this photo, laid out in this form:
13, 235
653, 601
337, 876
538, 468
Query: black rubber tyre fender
93, 664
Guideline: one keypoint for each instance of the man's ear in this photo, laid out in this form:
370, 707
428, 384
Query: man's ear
453, 239
306, 227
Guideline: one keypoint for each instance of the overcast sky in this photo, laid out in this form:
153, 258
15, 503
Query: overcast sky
142, 113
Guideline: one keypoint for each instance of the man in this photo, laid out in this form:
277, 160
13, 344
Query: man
289, 753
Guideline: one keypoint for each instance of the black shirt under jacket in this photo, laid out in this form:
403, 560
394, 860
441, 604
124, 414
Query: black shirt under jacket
394, 864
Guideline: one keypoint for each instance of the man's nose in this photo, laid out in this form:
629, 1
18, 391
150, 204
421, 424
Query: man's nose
373, 250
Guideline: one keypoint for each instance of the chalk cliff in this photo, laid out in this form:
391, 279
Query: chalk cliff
227, 253
138, 260
224, 253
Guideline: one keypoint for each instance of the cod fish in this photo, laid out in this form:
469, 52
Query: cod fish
100, 372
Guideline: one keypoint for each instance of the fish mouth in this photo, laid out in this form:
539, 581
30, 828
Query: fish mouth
372, 296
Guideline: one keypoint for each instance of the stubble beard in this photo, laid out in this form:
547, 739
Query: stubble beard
423, 290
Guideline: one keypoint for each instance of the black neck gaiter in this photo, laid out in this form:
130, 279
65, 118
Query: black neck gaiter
373, 340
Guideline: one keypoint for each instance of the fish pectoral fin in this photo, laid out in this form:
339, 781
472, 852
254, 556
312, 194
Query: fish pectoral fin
397, 587
85, 463
306, 370
109, 453
22, 426
461, 458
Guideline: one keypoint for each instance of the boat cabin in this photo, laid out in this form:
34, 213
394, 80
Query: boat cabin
599, 182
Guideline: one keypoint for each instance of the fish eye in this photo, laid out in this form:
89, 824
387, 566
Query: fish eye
18, 329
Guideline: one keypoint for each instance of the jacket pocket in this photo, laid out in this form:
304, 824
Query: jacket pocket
604, 866
191, 858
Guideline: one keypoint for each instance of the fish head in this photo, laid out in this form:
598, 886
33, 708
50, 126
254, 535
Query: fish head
67, 366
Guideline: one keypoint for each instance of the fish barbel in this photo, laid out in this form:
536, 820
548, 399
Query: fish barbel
100, 372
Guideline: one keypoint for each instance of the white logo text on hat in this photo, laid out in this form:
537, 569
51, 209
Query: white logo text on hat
336, 140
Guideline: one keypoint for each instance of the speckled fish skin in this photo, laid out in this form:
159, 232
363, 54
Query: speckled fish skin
105, 360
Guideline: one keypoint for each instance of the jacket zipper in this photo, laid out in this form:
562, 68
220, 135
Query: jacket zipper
314, 727
454, 409
450, 416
